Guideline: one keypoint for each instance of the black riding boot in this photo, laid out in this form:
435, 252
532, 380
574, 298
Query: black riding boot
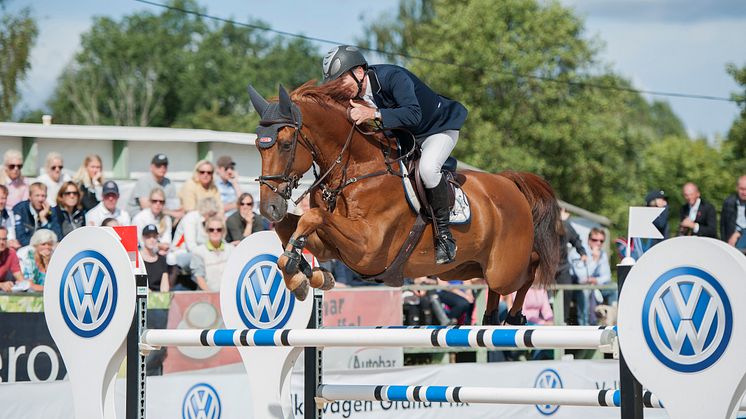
445, 246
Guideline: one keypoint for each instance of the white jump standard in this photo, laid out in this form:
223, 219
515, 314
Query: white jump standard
542, 337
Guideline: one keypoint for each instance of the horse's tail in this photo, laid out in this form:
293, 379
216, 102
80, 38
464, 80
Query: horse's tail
545, 211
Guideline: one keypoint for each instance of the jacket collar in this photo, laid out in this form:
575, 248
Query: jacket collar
375, 85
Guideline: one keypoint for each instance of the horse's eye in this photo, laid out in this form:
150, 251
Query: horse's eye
286, 146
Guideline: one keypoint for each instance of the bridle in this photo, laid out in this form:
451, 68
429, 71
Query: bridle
290, 180
329, 194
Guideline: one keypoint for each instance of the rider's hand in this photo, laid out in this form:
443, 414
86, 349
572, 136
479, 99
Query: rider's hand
361, 113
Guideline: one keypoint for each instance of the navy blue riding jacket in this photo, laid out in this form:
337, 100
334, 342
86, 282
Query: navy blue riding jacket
406, 102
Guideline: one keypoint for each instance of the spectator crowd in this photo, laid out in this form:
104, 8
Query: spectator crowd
185, 235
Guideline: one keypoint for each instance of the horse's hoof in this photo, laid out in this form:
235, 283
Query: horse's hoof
301, 291
516, 320
322, 279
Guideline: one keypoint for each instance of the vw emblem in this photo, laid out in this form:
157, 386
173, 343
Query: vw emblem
687, 319
548, 378
201, 402
261, 297
88, 293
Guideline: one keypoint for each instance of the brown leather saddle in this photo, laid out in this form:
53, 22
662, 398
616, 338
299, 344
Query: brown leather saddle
393, 275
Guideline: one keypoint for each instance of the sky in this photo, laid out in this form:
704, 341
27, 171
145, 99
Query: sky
660, 45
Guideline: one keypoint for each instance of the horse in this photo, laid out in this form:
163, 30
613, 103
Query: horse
358, 212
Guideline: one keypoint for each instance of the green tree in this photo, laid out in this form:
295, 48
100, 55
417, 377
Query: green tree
176, 69
18, 33
736, 140
527, 74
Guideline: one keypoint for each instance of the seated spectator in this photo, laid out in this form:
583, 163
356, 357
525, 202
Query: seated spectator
155, 263
53, 177
110, 222
10, 268
35, 214
12, 178
227, 184
594, 271
90, 180
107, 208
140, 197
7, 219
190, 232
200, 186
154, 214
244, 221
35, 258
460, 302
69, 211
209, 259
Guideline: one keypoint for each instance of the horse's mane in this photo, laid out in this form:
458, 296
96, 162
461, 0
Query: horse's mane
331, 94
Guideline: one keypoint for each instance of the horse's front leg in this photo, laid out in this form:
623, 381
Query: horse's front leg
298, 274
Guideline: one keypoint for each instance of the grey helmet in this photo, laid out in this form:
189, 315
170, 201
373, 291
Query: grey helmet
340, 60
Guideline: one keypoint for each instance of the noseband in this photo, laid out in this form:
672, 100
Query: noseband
267, 137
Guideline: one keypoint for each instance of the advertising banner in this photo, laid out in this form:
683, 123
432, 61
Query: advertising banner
224, 396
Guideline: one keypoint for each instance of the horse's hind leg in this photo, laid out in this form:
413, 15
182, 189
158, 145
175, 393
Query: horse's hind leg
492, 311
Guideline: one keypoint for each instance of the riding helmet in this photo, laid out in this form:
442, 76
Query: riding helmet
340, 60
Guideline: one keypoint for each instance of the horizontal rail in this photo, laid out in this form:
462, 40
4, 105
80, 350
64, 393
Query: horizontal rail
542, 337
456, 394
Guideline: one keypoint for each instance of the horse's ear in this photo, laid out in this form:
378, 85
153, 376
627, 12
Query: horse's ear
260, 104
285, 103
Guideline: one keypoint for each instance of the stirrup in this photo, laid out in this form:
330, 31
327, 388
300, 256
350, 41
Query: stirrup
443, 254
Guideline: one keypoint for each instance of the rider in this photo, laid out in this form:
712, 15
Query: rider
396, 98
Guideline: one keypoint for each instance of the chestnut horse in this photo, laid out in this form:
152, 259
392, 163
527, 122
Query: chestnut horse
511, 241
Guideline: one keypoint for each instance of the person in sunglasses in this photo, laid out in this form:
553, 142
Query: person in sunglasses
12, 178
245, 221
53, 176
69, 208
155, 214
209, 259
594, 270
200, 186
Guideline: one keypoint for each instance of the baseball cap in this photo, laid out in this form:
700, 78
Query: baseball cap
149, 230
225, 162
110, 187
159, 159
655, 194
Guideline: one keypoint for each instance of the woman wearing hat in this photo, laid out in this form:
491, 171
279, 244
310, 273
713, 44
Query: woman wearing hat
155, 263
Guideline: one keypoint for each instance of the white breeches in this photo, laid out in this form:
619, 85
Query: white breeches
435, 150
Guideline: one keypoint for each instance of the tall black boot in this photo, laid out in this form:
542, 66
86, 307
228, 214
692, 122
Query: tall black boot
445, 246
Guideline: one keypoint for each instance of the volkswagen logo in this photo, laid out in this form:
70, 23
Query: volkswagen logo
687, 319
201, 402
88, 293
548, 378
261, 297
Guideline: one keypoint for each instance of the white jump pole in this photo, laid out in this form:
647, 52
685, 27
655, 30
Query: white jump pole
544, 337
457, 394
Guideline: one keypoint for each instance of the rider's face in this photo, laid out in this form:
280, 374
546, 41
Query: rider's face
351, 85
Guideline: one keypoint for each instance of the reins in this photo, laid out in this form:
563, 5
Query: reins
329, 194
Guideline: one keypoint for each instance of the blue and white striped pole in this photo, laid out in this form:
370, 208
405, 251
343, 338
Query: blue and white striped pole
459, 394
543, 337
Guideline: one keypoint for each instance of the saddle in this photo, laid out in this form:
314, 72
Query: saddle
456, 197
414, 190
